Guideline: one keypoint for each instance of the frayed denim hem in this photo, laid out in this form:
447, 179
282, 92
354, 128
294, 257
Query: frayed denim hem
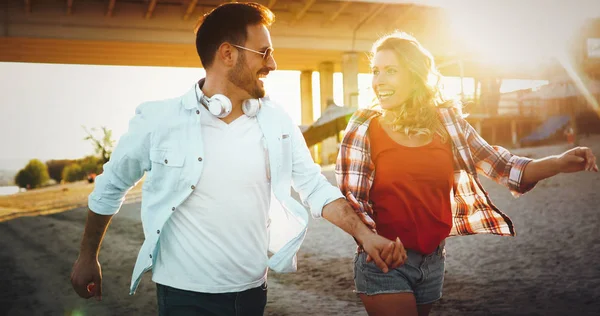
384, 292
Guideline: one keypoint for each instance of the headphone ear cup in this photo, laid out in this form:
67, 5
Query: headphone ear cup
219, 105
251, 107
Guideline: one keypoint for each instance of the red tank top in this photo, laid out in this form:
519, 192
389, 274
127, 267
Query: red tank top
411, 190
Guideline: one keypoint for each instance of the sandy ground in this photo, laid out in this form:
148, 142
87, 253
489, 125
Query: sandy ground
550, 268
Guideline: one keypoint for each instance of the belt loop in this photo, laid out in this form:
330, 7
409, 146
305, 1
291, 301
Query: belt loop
441, 247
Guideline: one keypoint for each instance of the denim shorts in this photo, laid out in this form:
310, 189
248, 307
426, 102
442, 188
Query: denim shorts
422, 275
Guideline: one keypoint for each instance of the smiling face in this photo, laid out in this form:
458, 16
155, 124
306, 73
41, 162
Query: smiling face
250, 68
392, 82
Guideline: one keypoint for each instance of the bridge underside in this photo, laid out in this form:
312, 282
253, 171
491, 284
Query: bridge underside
95, 52
160, 33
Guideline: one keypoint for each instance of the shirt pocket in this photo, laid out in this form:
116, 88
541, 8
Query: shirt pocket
167, 166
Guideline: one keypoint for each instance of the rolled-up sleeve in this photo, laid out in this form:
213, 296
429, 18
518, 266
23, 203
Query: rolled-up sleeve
497, 163
312, 186
127, 164
517, 167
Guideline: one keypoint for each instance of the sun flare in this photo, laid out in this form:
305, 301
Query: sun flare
523, 32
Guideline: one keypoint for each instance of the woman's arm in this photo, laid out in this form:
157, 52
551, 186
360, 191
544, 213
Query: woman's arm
574, 160
495, 162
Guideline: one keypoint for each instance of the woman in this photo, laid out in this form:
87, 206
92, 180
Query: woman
410, 167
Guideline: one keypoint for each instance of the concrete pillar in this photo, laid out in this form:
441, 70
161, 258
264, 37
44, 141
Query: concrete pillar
306, 98
350, 78
476, 91
328, 146
462, 76
307, 107
326, 83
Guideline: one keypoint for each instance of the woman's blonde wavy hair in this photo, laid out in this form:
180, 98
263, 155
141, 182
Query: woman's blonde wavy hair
418, 114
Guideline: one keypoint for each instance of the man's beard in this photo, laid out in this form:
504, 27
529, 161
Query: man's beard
243, 78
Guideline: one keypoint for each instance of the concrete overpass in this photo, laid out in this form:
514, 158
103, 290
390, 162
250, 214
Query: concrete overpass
309, 35
306, 32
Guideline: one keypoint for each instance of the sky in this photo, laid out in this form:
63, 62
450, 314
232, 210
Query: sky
43, 107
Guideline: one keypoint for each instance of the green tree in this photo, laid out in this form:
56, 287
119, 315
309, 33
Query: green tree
34, 175
73, 172
103, 145
90, 164
23, 179
55, 168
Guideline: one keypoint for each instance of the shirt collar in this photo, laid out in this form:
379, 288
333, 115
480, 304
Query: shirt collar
191, 98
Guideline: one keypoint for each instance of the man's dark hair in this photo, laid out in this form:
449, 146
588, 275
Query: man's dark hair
228, 23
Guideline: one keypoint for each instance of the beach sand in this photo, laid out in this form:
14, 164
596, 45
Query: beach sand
550, 268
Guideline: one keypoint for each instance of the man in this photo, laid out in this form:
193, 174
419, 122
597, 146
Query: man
213, 158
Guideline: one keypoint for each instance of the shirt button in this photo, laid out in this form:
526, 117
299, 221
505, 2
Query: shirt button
173, 208
166, 161
193, 187
197, 111
158, 231
150, 256
199, 158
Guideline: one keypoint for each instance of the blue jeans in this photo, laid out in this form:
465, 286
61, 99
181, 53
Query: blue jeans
422, 275
176, 302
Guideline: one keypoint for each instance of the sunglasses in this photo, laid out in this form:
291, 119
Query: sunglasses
265, 55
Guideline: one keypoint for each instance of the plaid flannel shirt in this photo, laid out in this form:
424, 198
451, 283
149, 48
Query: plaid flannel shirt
472, 209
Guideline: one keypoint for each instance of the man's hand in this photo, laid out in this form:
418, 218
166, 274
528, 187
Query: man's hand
86, 278
386, 253
577, 159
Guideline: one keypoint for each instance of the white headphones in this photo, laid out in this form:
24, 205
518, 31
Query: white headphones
220, 105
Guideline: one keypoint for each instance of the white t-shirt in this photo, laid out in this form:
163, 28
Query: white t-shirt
217, 240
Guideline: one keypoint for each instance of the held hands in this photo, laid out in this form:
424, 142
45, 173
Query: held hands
387, 254
86, 278
577, 159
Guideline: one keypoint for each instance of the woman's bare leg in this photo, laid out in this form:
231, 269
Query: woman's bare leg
395, 304
424, 309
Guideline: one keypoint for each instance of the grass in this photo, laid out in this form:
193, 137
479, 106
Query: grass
52, 199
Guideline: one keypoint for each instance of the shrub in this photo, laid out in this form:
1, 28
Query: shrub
73, 172
34, 175
91, 164
23, 179
55, 168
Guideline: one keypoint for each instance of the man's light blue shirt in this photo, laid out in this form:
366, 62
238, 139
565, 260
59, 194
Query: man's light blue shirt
164, 141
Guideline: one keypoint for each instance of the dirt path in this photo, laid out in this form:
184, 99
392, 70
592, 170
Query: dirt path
550, 268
